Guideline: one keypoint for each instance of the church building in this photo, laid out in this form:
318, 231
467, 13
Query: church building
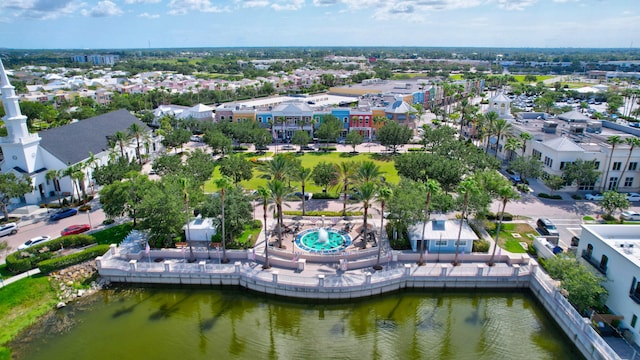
35, 154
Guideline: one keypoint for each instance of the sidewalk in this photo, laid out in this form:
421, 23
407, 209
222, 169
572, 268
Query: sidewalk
28, 273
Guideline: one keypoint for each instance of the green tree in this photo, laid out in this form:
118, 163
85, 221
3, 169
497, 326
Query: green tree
613, 141
430, 187
366, 194
524, 137
511, 146
581, 172
583, 287
500, 127
237, 168
325, 174
120, 139
393, 135
554, 182
280, 167
12, 186
161, 212
52, 175
384, 195
301, 138
198, 167
124, 198
223, 184
354, 139
261, 138
114, 170
329, 129
176, 138
506, 193
612, 201
367, 171
278, 190
237, 210
489, 120
265, 195
633, 142
527, 167
345, 174
302, 174
218, 142
465, 189
137, 132
167, 164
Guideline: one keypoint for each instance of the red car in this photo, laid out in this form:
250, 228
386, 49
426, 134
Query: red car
75, 229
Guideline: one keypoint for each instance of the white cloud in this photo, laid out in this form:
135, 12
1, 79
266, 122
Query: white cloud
253, 3
149, 16
130, 2
103, 9
287, 5
38, 9
514, 4
324, 2
181, 7
565, 1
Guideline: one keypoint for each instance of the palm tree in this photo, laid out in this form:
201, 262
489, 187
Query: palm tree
264, 194
632, 142
120, 139
489, 119
368, 171
465, 188
184, 186
345, 170
613, 140
500, 127
278, 190
431, 187
512, 145
524, 137
505, 193
302, 175
52, 175
92, 160
367, 192
137, 132
384, 194
279, 167
223, 184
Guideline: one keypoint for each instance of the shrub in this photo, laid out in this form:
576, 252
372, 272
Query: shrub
321, 212
326, 196
416, 149
84, 208
576, 197
240, 148
56, 263
108, 221
327, 148
27, 259
481, 246
506, 217
547, 196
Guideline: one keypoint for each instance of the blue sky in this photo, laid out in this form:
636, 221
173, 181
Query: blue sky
34, 24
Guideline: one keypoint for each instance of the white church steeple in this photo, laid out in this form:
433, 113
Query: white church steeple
19, 147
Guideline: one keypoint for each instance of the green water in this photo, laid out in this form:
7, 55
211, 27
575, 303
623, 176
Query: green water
233, 324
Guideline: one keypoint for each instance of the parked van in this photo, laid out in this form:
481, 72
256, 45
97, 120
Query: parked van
546, 227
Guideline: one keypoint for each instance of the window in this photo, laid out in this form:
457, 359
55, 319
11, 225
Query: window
634, 319
441, 243
613, 183
589, 186
596, 165
628, 182
462, 243
603, 262
548, 161
616, 166
633, 166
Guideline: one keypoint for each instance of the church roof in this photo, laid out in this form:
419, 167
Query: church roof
72, 143
500, 97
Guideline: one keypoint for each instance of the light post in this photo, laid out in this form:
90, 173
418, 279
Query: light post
89, 216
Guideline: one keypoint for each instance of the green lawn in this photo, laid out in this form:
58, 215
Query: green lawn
114, 234
310, 160
512, 243
21, 304
519, 78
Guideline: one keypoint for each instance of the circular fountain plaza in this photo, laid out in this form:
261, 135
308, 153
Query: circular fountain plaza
323, 240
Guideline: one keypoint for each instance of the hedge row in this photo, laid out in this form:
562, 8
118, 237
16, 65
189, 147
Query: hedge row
320, 213
552, 197
50, 265
23, 260
507, 216
323, 196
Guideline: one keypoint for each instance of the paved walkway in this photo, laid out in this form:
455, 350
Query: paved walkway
28, 273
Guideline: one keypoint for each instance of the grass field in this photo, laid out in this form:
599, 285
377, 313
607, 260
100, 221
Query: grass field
310, 160
519, 78
511, 243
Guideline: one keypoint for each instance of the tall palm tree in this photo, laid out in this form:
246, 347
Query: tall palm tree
278, 190
345, 171
505, 193
302, 175
430, 187
511, 146
367, 192
613, 140
120, 139
384, 194
264, 194
368, 171
91, 163
223, 184
524, 137
279, 167
500, 127
632, 142
489, 120
137, 132
465, 188
52, 175
184, 187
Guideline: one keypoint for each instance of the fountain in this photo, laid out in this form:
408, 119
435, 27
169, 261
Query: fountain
321, 240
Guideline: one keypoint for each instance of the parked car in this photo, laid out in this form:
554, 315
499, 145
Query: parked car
515, 179
63, 213
307, 195
630, 215
196, 138
596, 196
633, 197
8, 229
35, 241
75, 229
546, 227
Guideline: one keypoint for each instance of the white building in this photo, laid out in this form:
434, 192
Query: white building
614, 251
201, 229
35, 154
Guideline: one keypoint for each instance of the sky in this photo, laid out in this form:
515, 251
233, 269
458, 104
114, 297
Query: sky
115, 24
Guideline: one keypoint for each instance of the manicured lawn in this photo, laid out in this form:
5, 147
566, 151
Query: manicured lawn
310, 160
21, 304
114, 234
519, 78
512, 243
249, 231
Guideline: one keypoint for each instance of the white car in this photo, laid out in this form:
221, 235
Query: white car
34, 241
630, 215
633, 197
8, 229
596, 196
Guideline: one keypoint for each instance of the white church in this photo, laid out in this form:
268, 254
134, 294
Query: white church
35, 154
